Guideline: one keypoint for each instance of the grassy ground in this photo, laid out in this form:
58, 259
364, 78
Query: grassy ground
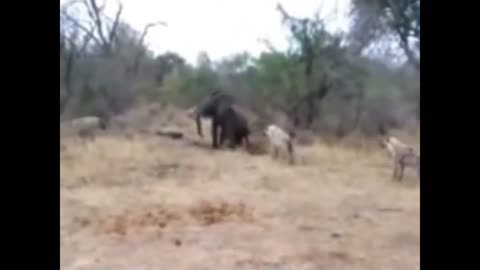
147, 202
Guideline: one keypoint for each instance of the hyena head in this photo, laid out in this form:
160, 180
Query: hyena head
385, 142
269, 130
392, 144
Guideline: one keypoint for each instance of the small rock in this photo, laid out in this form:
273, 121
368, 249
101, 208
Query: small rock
335, 235
178, 242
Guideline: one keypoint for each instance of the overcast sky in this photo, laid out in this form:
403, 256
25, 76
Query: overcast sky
222, 27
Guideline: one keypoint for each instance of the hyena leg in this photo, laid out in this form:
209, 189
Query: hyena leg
401, 169
86, 137
395, 170
275, 152
290, 153
91, 137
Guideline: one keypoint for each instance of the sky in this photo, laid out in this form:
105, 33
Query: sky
222, 27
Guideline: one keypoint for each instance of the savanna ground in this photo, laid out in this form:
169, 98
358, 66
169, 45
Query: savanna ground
141, 201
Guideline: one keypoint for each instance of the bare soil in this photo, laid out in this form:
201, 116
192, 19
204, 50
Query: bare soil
148, 202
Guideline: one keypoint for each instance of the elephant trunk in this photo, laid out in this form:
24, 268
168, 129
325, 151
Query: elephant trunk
199, 124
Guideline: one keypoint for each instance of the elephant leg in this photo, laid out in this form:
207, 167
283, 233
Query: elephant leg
240, 138
236, 140
232, 140
229, 134
215, 127
222, 135
247, 142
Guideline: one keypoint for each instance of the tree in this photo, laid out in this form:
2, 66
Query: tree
166, 63
374, 19
100, 58
327, 63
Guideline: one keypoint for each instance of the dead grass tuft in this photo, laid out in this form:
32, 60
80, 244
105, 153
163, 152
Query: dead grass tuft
123, 224
182, 205
205, 212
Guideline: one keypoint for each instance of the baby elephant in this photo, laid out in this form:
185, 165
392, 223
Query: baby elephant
281, 141
403, 156
86, 126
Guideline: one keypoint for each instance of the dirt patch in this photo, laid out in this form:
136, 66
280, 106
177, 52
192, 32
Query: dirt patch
258, 145
211, 212
125, 223
320, 257
155, 218
161, 170
308, 259
150, 202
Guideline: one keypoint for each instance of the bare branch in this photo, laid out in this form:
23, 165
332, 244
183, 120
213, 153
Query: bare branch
113, 31
400, 24
408, 52
102, 6
267, 43
140, 43
82, 27
285, 15
147, 27
94, 12
86, 40
90, 12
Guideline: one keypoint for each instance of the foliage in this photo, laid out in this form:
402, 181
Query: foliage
101, 60
321, 82
375, 19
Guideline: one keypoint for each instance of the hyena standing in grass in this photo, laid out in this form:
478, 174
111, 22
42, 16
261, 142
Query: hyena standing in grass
86, 127
402, 155
280, 141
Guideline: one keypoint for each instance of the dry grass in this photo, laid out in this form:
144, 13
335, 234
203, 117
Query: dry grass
147, 202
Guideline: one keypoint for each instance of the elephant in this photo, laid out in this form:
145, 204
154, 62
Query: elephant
232, 124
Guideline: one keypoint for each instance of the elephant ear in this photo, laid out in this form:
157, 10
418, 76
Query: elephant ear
224, 102
215, 103
224, 105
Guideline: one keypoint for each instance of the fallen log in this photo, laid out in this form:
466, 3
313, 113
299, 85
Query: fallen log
170, 133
